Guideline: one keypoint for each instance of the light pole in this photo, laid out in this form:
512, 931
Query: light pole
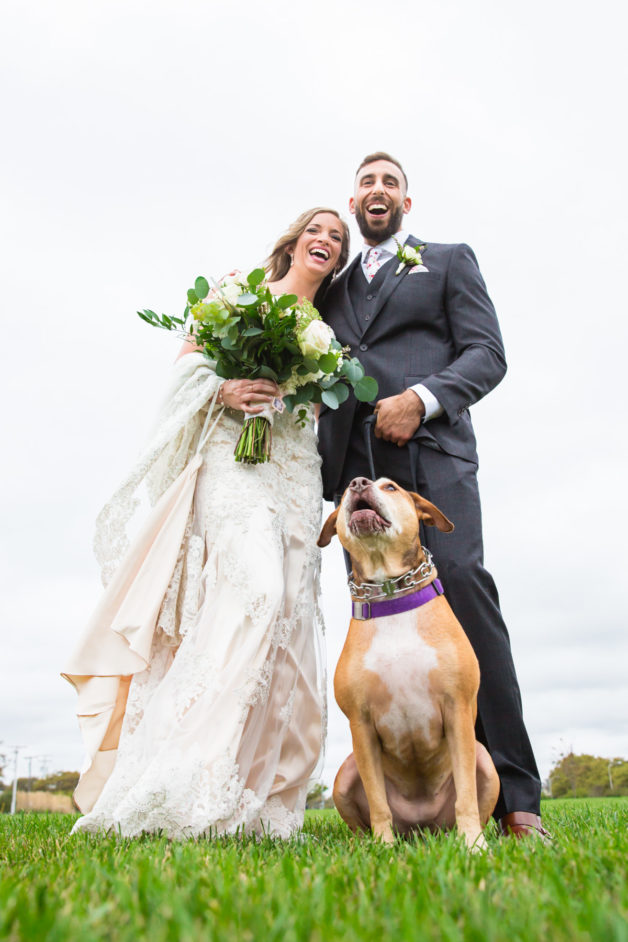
611, 763
16, 750
29, 759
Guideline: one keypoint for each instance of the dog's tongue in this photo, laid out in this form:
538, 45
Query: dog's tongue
366, 521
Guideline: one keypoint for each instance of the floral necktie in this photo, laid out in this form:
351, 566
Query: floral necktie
374, 262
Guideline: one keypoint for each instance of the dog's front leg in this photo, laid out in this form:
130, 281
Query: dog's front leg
460, 736
367, 750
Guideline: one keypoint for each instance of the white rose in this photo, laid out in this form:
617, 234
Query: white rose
234, 277
231, 292
316, 338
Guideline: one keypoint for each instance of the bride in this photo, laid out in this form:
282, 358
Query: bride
200, 679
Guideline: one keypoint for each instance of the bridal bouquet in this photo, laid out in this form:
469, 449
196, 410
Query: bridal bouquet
250, 334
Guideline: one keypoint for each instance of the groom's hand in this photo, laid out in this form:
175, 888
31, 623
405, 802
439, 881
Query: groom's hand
398, 417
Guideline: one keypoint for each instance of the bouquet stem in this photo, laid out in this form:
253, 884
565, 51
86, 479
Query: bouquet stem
255, 441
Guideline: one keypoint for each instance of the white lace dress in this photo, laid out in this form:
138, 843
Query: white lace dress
200, 676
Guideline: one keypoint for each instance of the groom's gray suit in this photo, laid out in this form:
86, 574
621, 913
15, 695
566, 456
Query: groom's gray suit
438, 328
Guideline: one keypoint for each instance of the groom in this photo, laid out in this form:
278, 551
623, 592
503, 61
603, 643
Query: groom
429, 334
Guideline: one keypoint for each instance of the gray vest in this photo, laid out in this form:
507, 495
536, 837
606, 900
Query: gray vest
365, 294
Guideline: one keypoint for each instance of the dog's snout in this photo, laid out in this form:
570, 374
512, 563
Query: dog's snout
360, 484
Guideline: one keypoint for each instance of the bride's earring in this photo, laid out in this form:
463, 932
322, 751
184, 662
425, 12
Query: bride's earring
291, 257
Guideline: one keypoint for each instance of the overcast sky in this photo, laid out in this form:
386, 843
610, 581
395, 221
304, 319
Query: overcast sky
147, 142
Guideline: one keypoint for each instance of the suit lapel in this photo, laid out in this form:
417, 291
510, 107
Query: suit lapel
347, 299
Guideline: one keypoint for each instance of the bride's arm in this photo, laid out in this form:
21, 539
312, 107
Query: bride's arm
189, 346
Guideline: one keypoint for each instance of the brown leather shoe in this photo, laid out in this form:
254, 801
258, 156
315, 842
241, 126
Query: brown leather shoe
523, 824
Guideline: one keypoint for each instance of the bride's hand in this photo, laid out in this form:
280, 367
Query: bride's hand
248, 395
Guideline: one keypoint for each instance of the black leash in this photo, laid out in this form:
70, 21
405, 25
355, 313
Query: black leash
368, 427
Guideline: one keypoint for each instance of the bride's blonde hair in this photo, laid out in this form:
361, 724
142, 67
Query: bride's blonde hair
278, 262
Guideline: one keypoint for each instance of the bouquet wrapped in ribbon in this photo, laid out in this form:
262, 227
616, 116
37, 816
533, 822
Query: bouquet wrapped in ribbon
251, 334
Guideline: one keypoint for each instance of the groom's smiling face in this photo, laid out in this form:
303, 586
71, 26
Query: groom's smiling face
379, 201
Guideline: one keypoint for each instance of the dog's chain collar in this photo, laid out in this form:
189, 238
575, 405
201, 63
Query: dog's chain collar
369, 591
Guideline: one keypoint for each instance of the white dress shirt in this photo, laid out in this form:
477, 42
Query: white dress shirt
387, 249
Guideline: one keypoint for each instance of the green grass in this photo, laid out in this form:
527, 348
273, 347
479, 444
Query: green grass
328, 886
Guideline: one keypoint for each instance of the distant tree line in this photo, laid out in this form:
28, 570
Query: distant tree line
60, 783
584, 776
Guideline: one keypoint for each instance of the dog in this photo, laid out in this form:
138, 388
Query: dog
407, 678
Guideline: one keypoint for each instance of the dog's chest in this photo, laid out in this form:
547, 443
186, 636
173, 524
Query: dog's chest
402, 661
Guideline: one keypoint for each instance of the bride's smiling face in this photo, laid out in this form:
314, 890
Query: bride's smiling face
318, 248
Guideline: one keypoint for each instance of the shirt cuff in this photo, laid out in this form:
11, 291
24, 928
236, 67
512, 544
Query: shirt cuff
433, 407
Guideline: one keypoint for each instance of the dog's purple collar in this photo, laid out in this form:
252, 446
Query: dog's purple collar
365, 610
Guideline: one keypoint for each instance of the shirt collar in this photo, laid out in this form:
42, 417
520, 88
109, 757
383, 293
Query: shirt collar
389, 247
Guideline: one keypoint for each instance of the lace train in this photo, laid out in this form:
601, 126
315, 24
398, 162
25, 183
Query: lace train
223, 724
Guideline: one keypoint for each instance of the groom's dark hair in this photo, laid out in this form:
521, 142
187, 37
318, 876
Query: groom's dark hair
382, 155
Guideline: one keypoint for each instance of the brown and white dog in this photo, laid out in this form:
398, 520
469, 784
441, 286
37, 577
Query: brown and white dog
407, 681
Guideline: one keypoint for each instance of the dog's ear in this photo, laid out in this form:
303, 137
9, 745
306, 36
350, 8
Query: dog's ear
430, 514
329, 529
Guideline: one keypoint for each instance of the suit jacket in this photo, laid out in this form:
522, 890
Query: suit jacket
436, 327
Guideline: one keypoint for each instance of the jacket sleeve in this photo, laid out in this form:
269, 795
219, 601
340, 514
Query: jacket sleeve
480, 362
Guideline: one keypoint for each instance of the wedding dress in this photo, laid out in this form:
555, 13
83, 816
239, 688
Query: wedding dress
200, 677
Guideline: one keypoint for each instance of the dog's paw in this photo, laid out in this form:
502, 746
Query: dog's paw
384, 833
476, 844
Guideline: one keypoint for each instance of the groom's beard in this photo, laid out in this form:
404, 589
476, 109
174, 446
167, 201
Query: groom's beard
379, 235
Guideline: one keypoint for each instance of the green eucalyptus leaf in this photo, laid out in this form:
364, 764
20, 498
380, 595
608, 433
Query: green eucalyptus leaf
286, 300
201, 287
192, 296
341, 392
327, 363
288, 402
310, 364
246, 299
256, 277
150, 317
330, 399
353, 370
366, 389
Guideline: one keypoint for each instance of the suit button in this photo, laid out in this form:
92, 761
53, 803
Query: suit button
367, 317
369, 297
364, 347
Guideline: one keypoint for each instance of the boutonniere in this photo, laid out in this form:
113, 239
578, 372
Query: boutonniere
408, 256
